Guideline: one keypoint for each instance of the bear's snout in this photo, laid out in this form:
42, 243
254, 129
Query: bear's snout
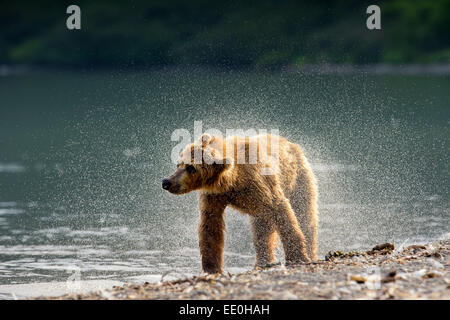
166, 184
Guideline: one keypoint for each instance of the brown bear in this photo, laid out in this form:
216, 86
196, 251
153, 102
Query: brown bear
279, 193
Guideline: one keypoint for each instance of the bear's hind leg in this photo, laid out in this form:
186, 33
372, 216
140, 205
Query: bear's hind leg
306, 213
304, 203
264, 240
291, 236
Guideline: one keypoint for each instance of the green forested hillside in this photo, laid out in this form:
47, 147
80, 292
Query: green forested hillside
245, 33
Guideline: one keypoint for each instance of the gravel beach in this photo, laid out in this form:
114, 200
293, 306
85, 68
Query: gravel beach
385, 272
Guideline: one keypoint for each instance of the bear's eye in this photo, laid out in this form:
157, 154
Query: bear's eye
190, 169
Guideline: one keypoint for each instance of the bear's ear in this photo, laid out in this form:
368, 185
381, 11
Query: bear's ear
205, 139
225, 162
222, 165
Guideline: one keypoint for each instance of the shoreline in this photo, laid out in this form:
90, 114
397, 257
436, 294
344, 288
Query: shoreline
385, 272
409, 69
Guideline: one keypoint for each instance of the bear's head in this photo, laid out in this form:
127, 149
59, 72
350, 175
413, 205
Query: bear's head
202, 165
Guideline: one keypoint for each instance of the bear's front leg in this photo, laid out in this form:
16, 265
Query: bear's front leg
291, 236
211, 232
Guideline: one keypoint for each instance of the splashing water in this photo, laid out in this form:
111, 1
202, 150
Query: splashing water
80, 168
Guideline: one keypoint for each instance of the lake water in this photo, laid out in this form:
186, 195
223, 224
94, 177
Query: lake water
82, 155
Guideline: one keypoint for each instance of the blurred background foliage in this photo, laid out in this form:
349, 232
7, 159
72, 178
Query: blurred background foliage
244, 33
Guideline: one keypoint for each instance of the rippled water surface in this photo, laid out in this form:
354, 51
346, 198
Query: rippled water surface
82, 156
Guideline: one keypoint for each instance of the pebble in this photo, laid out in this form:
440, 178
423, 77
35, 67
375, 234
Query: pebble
376, 274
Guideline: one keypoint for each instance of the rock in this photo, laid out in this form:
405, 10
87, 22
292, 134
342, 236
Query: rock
433, 274
419, 273
401, 276
408, 274
358, 278
389, 277
383, 248
416, 247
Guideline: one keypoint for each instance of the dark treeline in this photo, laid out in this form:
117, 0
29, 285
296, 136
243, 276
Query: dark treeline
244, 33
